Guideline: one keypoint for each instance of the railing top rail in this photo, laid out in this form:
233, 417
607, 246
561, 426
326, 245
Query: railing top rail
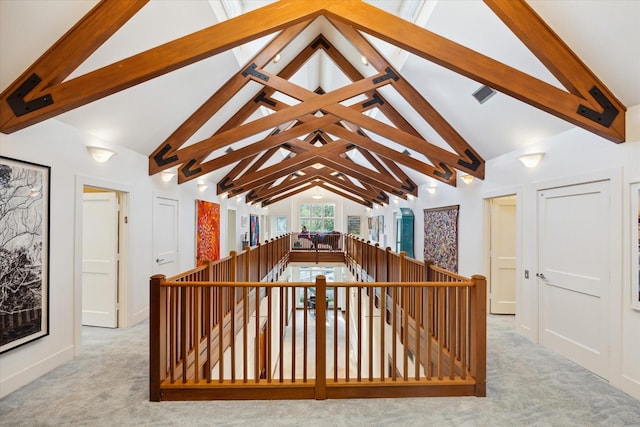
186, 273
447, 272
462, 284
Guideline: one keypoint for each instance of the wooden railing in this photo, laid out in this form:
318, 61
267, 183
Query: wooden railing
226, 338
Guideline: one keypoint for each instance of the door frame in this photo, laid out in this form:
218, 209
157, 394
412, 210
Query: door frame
124, 277
616, 262
488, 253
486, 244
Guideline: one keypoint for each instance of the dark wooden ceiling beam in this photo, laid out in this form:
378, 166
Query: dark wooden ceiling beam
163, 59
221, 97
206, 146
413, 97
471, 64
71, 50
397, 135
554, 53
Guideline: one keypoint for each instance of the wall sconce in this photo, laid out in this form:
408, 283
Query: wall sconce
202, 187
531, 160
432, 189
467, 179
100, 154
167, 175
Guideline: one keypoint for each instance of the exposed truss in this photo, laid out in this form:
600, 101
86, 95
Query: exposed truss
320, 131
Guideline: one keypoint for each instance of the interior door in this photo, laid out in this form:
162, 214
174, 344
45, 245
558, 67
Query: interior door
165, 236
232, 242
100, 259
503, 255
573, 278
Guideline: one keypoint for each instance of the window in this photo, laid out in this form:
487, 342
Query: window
318, 216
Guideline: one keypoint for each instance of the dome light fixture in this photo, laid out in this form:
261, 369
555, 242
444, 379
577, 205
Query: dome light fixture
100, 154
531, 160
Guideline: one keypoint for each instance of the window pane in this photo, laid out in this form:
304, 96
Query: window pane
329, 225
281, 224
316, 211
329, 211
305, 210
305, 223
316, 225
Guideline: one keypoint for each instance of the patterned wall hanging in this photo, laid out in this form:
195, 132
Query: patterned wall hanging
441, 237
207, 232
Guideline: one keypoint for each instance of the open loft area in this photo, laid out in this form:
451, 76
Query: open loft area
498, 138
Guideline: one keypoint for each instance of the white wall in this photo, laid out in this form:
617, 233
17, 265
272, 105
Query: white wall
63, 148
573, 157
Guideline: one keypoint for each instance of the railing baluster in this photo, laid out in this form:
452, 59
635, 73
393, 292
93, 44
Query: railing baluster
371, 298
305, 328
293, 335
383, 325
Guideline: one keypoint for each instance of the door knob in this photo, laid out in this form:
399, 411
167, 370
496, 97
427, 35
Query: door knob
159, 260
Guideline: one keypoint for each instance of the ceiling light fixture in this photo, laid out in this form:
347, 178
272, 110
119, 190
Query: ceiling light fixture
317, 196
202, 186
167, 175
432, 189
531, 160
364, 60
467, 179
276, 58
100, 154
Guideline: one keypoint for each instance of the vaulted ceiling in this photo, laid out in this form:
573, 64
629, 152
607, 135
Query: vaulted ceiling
267, 130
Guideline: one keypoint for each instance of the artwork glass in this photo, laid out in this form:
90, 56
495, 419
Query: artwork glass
441, 237
207, 232
24, 252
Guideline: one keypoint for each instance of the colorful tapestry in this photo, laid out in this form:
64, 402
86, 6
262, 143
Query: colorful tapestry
441, 237
254, 230
207, 232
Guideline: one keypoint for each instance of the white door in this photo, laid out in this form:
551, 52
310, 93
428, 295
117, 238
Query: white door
100, 259
503, 256
232, 242
165, 236
573, 272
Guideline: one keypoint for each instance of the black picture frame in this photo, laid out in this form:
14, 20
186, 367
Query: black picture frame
24, 252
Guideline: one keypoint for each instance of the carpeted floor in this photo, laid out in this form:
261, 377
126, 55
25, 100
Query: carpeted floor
526, 386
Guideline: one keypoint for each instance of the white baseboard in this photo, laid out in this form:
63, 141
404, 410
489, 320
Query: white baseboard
16, 380
139, 316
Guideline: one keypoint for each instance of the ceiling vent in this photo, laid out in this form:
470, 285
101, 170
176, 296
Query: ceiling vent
484, 93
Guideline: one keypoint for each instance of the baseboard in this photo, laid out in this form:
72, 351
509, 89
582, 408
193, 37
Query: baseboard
23, 377
139, 316
630, 386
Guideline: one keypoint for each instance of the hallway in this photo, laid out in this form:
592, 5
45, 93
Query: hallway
107, 385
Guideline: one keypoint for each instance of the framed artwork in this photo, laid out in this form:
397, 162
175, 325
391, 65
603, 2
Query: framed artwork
24, 250
441, 237
207, 231
375, 233
254, 230
380, 224
353, 225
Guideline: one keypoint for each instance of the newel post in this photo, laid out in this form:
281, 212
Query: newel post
321, 338
157, 335
387, 260
479, 333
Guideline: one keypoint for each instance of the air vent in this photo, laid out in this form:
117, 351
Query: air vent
484, 93
229, 150
406, 152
